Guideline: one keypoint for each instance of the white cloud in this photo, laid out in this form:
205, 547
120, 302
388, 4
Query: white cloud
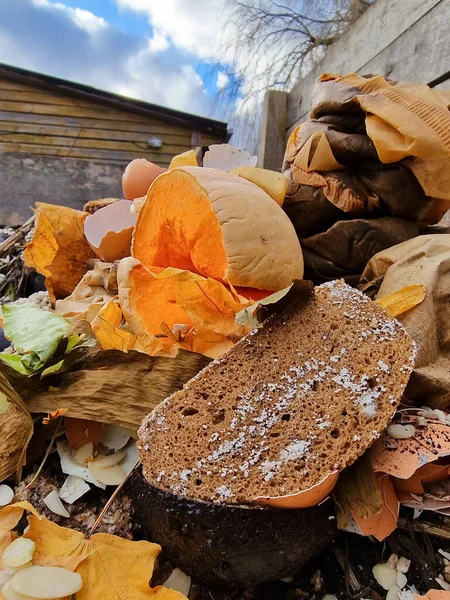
86, 20
158, 42
75, 44
194, 25
222, 80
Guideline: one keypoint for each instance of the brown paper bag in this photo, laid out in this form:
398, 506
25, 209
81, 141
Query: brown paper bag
422, 260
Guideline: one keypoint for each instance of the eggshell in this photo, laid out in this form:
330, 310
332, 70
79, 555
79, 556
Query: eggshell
109, 230
305, 499
138, 177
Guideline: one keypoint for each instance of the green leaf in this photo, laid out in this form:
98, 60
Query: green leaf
35, 334
4, 403
56, 368
72, 341
15, 362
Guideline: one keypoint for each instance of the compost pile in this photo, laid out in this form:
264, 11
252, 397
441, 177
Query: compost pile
143, 292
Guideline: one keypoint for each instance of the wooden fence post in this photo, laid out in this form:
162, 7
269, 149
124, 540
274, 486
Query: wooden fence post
273, 130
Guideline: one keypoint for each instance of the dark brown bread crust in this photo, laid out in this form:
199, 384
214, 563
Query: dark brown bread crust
292, 402
232, 546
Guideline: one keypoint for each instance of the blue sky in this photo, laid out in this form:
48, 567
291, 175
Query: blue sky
162, 51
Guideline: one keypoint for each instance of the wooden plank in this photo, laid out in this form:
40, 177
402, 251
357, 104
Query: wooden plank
86, 133
40, 97
150, 126
416, 55
379, 27
86, 153
274, 119
8, 84
48, 140
71, 111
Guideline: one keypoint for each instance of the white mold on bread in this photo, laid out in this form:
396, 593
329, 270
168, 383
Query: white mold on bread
291, 403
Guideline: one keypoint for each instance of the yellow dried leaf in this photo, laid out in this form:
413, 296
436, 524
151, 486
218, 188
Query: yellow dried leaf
112, 336
59, 249
53, 415
111, 567
399, 302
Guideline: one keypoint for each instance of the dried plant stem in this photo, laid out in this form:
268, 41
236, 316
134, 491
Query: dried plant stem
16, 236
110, 501
47, 454
348, 571
425, 527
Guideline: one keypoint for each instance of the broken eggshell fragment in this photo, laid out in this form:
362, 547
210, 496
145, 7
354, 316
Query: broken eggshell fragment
401, 458
138, 177
304, 499
109, 231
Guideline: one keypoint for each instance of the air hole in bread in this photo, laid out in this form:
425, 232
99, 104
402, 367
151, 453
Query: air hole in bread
179, 426
344, 413
335, 434
275, 434
286, 417
371, 383
315, 386
189, 411
204, 395
218, 416
198, 482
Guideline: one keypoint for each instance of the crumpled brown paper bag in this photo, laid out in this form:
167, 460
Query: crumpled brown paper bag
372, 163
423, 260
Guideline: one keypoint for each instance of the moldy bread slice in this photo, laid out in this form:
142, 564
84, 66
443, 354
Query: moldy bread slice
292, 402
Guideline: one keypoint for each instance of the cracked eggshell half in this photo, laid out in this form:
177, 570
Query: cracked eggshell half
138, 177
304, 499
109, 230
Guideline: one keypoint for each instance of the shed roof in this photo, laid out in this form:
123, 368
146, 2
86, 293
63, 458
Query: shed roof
86, 92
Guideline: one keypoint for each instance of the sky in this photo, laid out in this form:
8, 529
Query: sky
168, 52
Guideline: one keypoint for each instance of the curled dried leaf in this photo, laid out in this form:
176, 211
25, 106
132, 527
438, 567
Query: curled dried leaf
59, 249
53, 415
403, 300
107, 564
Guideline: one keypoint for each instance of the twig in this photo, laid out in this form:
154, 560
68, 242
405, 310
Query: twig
350, 576
47, 454
16, 236
110, 501
425, 527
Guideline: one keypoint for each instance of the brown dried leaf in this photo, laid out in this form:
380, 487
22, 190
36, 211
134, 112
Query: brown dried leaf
119, 388
357, 492
59, 249
384, 522
16, 426
399, 302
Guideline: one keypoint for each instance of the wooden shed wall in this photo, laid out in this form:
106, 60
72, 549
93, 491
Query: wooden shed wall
38, 121
61, 149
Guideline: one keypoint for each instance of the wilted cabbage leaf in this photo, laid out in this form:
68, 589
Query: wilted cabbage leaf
35, 334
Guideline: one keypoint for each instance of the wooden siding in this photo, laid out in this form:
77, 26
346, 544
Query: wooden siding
39, 122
